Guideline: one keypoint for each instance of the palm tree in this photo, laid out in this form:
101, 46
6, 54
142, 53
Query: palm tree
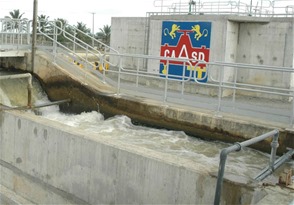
17, 24
83, 32
104, 34
15, 14
43, 25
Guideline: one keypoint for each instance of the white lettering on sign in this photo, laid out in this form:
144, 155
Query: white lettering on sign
172, 53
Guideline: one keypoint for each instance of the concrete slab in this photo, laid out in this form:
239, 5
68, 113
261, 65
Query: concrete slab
12, 53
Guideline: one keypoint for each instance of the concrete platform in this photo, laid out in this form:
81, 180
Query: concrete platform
12, 53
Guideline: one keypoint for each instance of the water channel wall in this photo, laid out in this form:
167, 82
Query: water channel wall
92, 95
49, 163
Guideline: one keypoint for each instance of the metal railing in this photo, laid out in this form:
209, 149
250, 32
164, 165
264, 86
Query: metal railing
142, 78
14, 32
139, 75
261, 8
273, 162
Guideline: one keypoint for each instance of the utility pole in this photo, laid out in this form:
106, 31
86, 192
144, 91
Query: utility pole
34, 34
93, 28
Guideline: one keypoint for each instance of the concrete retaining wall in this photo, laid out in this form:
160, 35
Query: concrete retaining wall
50, 163
128, 34
92, 95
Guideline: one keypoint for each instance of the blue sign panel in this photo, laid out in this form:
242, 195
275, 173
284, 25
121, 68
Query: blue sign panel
189, 40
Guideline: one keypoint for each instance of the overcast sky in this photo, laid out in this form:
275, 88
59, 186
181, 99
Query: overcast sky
81, 11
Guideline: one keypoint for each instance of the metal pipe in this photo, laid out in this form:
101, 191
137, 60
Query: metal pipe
267, 171
223, 156
30, 86
36, 106
274, 145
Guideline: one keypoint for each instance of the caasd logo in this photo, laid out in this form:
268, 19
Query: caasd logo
185, 40
199, 34
173, 31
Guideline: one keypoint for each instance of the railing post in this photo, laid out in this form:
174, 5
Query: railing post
183, 78
221, 76
166, 81
101, 60
137, 74
237, 147
55, 44
74, 41
274, 145
119, 73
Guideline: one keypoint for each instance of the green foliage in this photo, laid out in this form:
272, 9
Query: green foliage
104, 34
15, 14
43, 25
83, 32
17, 24
62, 24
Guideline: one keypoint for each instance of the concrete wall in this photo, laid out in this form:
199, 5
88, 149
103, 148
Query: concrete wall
128, 34
50, 163
266, 44
249, 40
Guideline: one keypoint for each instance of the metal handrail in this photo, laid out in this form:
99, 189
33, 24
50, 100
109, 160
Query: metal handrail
138, 70
238, 146
237, 7
222, 84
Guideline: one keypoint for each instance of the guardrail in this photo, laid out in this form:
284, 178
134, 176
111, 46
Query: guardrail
273, 162
14, 32
139, 75
261, 8
139, 79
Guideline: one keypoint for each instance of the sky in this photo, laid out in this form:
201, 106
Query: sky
82, 11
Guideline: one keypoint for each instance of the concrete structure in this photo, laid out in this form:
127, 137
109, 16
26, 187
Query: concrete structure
49, 163
87, 94
235, 39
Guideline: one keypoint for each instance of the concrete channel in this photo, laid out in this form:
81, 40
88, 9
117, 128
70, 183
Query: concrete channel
48, 163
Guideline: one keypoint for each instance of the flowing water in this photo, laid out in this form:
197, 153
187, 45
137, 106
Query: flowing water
247, 163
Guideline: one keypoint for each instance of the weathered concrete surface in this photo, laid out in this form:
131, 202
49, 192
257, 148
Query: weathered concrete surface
93, 95
10, 197
50, 163
12, 53
234, 39
87, 94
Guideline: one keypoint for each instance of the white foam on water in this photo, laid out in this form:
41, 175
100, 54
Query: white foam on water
247, 162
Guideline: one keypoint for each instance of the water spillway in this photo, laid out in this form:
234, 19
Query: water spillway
84, 154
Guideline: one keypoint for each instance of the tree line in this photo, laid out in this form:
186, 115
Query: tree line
44, 27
